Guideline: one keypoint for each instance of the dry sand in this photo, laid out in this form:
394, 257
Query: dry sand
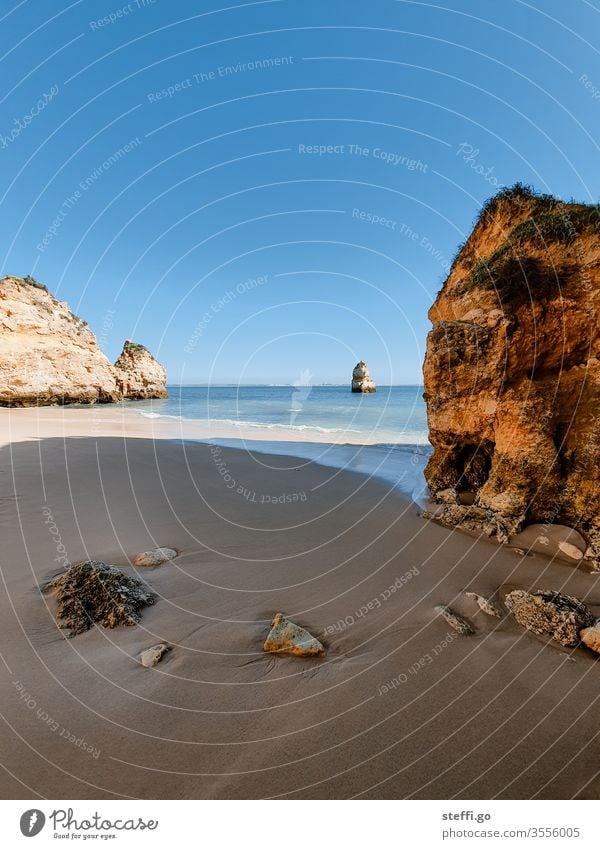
400, 706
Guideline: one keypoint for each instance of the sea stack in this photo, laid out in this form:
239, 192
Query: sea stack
361, 379
50, 356
139, 375
512, 371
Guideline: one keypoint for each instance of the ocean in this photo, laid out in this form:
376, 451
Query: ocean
383, 434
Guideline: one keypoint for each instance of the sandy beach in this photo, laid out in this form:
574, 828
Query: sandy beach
400, 707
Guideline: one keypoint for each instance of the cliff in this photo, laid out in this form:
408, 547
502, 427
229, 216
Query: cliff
512, 375
139, 375
50, 356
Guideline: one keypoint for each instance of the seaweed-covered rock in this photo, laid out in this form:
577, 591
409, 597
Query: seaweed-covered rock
551, 614
92, 593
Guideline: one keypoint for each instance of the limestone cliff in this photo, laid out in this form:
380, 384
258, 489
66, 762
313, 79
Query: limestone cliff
361, 379
50, 356
139, 375
512, 375
47, 354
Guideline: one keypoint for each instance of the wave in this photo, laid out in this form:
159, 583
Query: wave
239, 423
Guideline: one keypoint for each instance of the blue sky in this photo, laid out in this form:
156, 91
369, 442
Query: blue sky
262, 189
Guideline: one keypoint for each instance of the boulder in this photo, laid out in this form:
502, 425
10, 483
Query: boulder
155, 557
550, 614
513, 400
361, 379
286, 637
150, 657
138, 374
92, 593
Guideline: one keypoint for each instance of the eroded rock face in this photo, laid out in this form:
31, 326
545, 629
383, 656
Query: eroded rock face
550, 614
50, 356
138, 374
361, 379
512, 371
47, 354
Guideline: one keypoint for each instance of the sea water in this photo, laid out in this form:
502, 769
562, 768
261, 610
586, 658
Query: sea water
383, 434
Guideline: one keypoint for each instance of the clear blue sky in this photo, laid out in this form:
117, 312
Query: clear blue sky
155, 156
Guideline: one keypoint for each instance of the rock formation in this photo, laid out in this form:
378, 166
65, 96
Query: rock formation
361, 379
286, 637
550, 614
512, 375
139, 375
50, 356
92, 593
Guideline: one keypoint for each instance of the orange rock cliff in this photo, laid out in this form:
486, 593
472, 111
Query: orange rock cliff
512, 375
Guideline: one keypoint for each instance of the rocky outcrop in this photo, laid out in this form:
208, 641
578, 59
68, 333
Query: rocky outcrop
550, 614
361, 379
286, 637
92, 593
47, 354
139, 375
50, 356
591, 637
512, 371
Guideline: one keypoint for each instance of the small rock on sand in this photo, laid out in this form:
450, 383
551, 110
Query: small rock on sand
486, 605
286, 637
550, 614
591, 637
155, 557
150, 657
454, 620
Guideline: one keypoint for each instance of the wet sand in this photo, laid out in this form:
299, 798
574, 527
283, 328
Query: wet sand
399, 707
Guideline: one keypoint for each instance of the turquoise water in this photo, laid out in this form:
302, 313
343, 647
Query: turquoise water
392, 415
